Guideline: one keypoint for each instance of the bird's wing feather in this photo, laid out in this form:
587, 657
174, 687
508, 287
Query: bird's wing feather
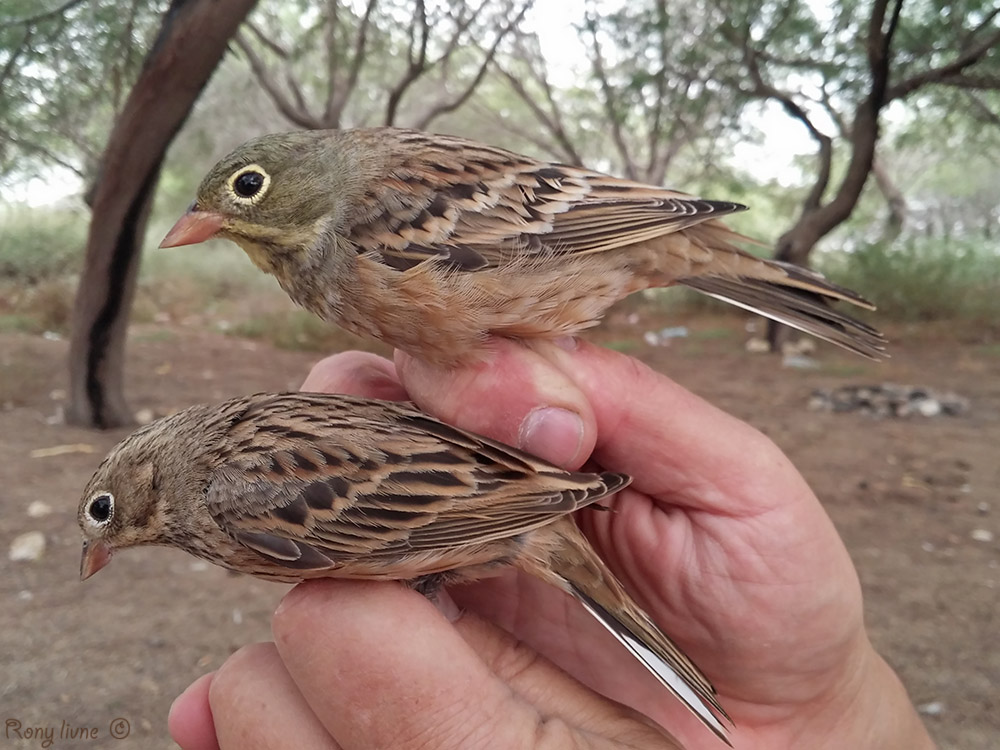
321, 488
474, 206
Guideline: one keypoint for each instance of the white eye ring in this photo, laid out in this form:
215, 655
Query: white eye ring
251, 189
101, 509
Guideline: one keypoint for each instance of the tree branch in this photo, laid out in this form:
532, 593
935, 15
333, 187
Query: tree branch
453, 104
350, 83
552, 120
42, 151
332, 63
765, 90
611, 108
42, 16
982, 110
292, 113
941, 74
264, 39
417, 65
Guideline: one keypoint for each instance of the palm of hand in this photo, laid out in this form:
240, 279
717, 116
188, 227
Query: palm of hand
729, 551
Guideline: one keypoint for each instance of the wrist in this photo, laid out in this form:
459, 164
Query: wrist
872, 710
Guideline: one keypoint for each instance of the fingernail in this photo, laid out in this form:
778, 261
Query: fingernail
446, 605
569, 343
552, 433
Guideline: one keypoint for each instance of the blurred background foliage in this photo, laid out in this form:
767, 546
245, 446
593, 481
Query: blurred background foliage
728, 99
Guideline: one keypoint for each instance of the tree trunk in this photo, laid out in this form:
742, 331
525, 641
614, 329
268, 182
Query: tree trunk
894, 199
190, 44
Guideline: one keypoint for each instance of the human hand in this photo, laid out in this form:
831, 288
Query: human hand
719, 539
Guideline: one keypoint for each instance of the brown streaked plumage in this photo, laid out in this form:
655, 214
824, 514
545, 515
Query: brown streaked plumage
296, 486
432, 243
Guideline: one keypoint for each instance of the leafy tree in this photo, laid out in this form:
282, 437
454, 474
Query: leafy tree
64, 75
394, 62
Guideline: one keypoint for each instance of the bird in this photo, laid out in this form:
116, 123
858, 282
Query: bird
295, 486
434, 243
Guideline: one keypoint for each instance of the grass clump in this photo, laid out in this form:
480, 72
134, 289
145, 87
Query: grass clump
37, 245
923, 279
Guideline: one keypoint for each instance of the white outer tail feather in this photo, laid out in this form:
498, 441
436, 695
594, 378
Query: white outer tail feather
662, 671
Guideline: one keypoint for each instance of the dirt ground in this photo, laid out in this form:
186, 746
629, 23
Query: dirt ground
914, 500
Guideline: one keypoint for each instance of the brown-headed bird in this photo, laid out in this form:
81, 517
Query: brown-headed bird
432, 243
302, 485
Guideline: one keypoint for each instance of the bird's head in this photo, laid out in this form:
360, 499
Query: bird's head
119, 507
274, 195
137, 495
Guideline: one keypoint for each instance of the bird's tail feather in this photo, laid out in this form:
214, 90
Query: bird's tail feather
802, 301
574, 566
680, 676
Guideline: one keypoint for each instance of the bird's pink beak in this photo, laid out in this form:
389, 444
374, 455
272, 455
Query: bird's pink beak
193, 227
95, 556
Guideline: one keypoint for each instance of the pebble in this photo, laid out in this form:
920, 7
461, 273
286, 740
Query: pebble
889, 400
38, 509
982, 535
27, 547
934, 708
799, 362
144, 416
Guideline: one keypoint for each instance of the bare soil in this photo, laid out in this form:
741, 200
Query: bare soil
906, 495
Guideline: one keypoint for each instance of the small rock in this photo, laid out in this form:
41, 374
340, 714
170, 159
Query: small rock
237, 617
25, 596
928, 407
51, 336
651, 338
799, 362
144, 416
757, 345
674, 332
27, 547
981, 508
982, 535
927, 546
57, 395
38, 509
632, 319
934, 708
198, 566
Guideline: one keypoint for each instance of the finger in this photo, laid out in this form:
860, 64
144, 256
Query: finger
356, 373
381, 667
672, 442
256, 705
555, 694
190, 719
516, 397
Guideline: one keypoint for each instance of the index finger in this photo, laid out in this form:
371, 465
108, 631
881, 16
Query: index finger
674, 443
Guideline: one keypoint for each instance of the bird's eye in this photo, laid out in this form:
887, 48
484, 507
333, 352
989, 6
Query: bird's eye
249, 184
101, 507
